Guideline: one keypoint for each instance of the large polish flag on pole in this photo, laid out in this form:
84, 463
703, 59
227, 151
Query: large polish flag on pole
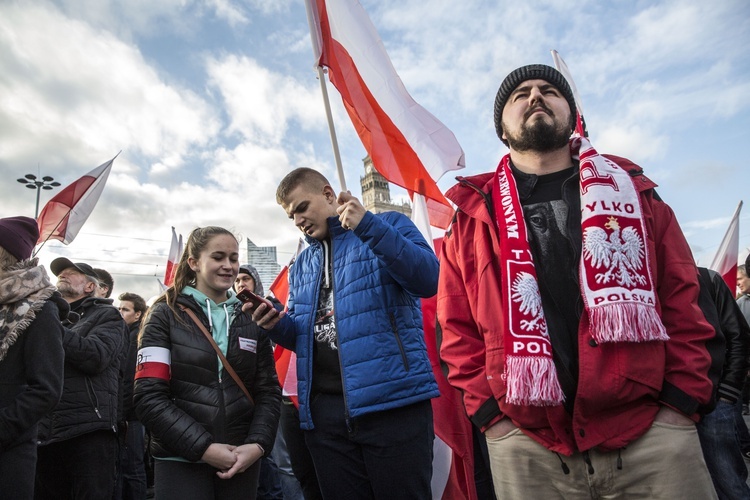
453, 449
407, 144
64, 215
725, 260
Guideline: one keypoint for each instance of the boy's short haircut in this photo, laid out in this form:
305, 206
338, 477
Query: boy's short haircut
308, 177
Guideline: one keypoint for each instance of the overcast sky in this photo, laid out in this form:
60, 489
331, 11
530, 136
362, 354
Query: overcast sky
212, 102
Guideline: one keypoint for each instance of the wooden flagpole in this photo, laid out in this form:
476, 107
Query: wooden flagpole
313, 24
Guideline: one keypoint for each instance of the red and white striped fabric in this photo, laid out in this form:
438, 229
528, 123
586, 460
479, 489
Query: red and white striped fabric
408, 145
286, 369
64, 215
563, 68
153, 362
725, 260
286, 361
175, 250
453, 462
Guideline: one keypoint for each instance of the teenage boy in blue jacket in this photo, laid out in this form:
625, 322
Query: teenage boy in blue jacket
354, 320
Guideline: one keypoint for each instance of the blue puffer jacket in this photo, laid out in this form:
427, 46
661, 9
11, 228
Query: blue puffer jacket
379, 271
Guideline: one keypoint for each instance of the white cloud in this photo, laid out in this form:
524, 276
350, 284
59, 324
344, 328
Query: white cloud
84, 88
260, 102
132, 18
272, 6
631, 141
229, 12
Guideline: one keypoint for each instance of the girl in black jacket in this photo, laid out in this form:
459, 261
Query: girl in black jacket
208, 436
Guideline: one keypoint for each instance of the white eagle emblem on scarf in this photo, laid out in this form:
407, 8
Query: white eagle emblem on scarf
620, 253
525, 291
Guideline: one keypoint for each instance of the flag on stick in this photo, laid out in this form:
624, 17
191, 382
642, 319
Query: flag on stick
175, 251
408, 145
286, 369
286, 361
725, 260
563, 68
64, 215
453, 463
280, 285
453, 458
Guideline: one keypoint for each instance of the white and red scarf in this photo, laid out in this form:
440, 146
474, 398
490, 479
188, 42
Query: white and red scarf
615, 277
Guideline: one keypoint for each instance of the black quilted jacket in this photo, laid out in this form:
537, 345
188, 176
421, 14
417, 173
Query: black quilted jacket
200, 405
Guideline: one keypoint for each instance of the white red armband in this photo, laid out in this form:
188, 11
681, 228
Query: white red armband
153, 362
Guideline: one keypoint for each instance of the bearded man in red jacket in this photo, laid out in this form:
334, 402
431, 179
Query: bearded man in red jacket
568, 305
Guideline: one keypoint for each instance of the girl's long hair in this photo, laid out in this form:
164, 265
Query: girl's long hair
184, 276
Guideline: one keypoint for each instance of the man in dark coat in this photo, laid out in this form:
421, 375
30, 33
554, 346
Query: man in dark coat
78, 440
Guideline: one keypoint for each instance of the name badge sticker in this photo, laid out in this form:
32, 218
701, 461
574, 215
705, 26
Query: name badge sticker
248, 344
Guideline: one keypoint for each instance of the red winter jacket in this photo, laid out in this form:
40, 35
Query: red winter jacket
620, 385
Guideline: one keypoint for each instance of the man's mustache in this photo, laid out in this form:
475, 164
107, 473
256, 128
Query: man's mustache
536, 108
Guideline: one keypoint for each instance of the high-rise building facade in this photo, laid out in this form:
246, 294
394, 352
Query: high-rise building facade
264, 260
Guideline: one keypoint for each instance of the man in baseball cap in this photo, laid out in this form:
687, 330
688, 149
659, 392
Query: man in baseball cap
75, 281
61, 263
84, 423
567, 302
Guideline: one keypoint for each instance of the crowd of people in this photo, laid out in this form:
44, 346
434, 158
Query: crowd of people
593, 357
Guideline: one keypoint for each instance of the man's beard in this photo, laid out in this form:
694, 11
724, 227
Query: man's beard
68, 291
540, 136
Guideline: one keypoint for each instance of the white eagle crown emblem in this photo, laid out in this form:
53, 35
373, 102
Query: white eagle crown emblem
620, 253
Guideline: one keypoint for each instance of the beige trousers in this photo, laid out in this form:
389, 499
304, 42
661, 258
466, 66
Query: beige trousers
665, 463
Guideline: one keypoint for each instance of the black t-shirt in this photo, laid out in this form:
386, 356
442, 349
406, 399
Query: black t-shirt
549, 220
326, 363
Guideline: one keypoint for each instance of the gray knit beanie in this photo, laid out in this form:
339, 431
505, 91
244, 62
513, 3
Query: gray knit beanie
530, 72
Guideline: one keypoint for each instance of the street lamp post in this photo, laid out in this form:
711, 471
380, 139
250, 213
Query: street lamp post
32, 182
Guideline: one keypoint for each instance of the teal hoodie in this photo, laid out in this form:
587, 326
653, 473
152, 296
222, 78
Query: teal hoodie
219, 316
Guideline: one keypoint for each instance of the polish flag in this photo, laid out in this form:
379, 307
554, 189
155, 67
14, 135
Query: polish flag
175, 251
286, 369
408, 145
64, 215
725, 260
286, 360
453, 462
280, 285
563, 68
